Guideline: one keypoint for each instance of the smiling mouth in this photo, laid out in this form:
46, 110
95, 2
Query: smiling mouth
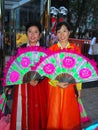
62, 38
33, 39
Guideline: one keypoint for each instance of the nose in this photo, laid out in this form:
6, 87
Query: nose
32, 33
61, 33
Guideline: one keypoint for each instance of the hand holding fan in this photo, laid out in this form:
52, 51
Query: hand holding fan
17, 66
66, 66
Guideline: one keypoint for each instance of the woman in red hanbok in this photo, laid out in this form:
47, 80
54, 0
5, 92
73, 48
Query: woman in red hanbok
30, 100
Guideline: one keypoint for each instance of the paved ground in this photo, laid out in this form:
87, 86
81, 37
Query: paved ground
90, 101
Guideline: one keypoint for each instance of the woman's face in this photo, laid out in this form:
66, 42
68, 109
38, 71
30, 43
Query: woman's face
63, 34
33, 35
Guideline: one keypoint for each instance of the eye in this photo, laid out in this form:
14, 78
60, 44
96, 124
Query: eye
65, 30
29, 31
58, 32
36, 32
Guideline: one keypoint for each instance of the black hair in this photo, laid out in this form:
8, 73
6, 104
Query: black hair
34, 23
59, 25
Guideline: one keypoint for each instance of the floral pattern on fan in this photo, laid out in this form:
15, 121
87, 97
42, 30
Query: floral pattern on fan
85, 73
78, 66
25, 61
21, 63
49, 68
14, 76
68, 62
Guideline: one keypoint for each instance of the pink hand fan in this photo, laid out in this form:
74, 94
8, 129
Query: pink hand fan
66, 66
21, 63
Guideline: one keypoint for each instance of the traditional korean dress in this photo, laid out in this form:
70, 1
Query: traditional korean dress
29, 110
63, 110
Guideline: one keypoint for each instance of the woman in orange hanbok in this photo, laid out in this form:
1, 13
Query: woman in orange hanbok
63, 110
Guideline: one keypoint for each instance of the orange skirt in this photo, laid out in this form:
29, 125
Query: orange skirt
63, 110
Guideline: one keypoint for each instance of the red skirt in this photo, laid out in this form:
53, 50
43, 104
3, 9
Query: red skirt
34, 106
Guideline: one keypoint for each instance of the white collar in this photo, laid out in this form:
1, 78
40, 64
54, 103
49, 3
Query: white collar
37, 44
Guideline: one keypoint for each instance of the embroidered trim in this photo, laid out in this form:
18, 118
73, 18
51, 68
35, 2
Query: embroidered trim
67, 46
